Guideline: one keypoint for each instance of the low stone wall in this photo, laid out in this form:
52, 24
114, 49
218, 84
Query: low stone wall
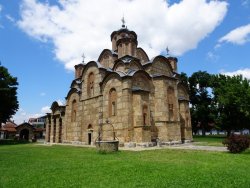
107, 146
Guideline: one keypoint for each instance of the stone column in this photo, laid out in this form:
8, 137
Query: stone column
54, 129
47, 131
52, 132
61, 130
57, 129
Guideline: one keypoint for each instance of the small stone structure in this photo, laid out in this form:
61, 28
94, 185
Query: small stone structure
107, 146
102, 142
25, 131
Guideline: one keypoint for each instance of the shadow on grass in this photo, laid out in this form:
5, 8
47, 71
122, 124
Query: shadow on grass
12, 142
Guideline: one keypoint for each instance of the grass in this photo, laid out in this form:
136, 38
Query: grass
32, 165
213, 140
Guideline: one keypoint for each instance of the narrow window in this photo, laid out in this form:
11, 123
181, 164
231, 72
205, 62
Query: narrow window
90, 86
113, 108
170, 101
145, 115
171, 111
112, 102
73, 111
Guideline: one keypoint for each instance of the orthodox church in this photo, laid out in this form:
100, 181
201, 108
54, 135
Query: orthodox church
140, 100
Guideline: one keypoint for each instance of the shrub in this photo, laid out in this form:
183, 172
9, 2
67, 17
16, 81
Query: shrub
237, 143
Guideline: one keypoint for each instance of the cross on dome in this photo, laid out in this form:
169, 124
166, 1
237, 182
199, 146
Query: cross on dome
123, 22
83, 57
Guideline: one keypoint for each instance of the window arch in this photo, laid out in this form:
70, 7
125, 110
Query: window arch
112, 102
145, 114
73, 111
170, 101
91, 82
90, 127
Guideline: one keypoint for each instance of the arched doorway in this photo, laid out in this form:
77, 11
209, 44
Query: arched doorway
90, 132
24, 134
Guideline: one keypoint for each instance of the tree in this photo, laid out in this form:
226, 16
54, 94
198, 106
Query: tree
232, 96
8, 95
202, 107
184, 79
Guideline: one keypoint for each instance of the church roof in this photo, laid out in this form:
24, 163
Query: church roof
127, 59
123, 30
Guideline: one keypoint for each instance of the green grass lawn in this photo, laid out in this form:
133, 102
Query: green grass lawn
211, 140
31, 165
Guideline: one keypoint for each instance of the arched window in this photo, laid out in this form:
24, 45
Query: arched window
90, 127
90, 87
112, 102
170, 101
73, 111
145, 114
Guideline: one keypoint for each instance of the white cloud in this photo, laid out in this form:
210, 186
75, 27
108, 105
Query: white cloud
42, 94
76, 26
244, 72
61, 102
245, 3
22, 116
10, 18
1, 8
212, 56
46, 109
238, 36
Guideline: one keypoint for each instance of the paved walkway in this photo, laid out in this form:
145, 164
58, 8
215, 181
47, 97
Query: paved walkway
195, 147
189, 146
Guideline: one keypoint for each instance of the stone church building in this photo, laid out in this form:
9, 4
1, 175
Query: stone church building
142, 99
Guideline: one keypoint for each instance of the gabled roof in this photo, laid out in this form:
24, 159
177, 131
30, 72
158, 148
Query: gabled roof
76, 81
9, 127
109, 51
127, 59
71, 91
25, 124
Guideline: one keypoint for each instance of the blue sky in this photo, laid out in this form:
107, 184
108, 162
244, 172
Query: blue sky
41, 41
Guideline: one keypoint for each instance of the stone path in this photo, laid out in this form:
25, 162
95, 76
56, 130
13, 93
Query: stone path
195, 147
189, 146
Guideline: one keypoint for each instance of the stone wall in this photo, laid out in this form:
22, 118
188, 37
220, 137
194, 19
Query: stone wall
146, 104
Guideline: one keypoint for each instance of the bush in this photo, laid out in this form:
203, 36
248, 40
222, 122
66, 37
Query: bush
237, 143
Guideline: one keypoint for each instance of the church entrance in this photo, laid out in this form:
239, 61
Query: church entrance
89, 138
90, 132
24, 134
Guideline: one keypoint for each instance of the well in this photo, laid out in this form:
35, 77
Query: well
110, 145
107, 146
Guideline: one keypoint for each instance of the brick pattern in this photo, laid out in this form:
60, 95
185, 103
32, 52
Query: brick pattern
140, 109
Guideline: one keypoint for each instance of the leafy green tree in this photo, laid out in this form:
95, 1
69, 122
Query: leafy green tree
202, 109
184, 78
232, 96
8, 95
